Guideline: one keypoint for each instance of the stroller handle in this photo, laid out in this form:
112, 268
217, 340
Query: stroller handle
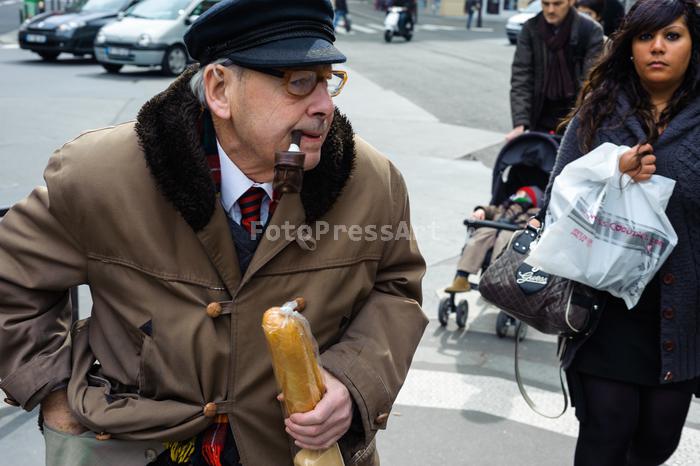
491, 224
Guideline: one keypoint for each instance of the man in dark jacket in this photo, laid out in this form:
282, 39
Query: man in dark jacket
554, 52
613, 13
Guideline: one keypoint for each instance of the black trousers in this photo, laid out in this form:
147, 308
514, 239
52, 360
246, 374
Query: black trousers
629, 425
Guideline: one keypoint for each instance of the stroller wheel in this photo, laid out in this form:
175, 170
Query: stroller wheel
462, 313
444, 311
523, 331
502, 324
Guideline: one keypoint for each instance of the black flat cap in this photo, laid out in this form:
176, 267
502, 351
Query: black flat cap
265, 33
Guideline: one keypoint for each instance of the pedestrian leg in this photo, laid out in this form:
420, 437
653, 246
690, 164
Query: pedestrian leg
609, 423
663, 411
475, 251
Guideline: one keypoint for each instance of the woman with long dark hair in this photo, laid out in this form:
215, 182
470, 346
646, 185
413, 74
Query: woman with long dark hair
633, 377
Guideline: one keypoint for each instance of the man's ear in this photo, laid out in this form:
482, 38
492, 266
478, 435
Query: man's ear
216, 78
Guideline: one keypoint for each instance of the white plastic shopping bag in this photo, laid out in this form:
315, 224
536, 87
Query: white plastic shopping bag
604, 230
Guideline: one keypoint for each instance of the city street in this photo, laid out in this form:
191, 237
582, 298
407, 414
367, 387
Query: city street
438, 108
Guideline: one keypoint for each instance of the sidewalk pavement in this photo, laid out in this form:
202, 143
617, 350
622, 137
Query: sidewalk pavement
9, 38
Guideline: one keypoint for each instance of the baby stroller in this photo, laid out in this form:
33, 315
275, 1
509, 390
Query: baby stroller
525, 160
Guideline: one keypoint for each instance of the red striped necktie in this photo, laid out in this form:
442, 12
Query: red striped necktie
250, 203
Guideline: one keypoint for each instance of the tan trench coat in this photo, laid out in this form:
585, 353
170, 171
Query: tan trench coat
131, 211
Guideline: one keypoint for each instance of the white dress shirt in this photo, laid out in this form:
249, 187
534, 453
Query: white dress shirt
234, 184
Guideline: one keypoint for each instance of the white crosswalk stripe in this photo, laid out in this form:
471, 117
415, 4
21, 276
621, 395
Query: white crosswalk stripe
366, 30
436, 27
379, 27
10, 2
376, 28
499, 397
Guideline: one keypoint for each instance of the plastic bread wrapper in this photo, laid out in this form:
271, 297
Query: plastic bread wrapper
295, 359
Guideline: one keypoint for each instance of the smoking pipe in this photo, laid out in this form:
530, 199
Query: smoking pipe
289, 168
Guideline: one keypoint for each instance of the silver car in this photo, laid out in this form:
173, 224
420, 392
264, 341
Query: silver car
515, 23
150, 34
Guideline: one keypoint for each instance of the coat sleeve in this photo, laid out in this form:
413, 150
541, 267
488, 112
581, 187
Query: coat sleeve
522, 79
39, 262
593, 49
374, 354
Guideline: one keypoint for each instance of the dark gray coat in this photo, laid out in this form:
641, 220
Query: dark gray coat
677, 157
530, 62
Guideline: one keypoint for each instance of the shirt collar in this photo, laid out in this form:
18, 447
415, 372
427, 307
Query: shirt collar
234, 182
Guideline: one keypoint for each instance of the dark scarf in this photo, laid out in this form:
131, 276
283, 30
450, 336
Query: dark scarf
558, 81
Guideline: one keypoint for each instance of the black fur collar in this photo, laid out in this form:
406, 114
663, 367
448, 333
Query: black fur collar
168, 134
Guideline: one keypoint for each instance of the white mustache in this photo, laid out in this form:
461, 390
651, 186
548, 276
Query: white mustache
320, 127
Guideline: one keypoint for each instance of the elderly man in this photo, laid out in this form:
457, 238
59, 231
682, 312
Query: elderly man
159, 217
554, 52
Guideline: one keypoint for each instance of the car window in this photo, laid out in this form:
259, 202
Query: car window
159, 9
204, 6
95, 5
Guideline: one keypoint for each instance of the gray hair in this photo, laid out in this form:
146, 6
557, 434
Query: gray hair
197, 81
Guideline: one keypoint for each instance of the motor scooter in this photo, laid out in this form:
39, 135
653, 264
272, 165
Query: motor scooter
398, 22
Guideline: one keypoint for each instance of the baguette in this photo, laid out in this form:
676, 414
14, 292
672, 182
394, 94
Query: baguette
298, 374
293, 358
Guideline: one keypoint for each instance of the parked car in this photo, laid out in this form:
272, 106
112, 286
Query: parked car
150, 34
72, 30
515, 23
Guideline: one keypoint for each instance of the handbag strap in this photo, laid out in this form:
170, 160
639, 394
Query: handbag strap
521, 386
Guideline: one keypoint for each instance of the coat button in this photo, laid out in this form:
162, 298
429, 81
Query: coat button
209, 410
381, 419
214, 310
669, 346
668, 313
11, 402
669, 376
668, 279
103, 436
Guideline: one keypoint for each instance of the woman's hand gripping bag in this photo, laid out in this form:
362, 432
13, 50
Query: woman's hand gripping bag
604, 230
295, 362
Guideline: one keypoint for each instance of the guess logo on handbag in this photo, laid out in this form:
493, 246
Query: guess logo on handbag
530, 279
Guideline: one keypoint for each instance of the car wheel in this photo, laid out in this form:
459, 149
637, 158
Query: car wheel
112, 68
49, 56
174, 60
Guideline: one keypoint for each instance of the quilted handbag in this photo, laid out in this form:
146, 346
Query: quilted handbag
548, 303
551, 304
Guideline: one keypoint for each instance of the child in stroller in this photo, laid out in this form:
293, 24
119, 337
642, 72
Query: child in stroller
516, 210
520, 175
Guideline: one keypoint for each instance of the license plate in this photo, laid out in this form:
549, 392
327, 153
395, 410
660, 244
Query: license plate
38, 38
118, 52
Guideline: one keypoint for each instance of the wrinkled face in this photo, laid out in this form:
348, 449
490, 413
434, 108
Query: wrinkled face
555, 11
588, 11
263, 115
661, 57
